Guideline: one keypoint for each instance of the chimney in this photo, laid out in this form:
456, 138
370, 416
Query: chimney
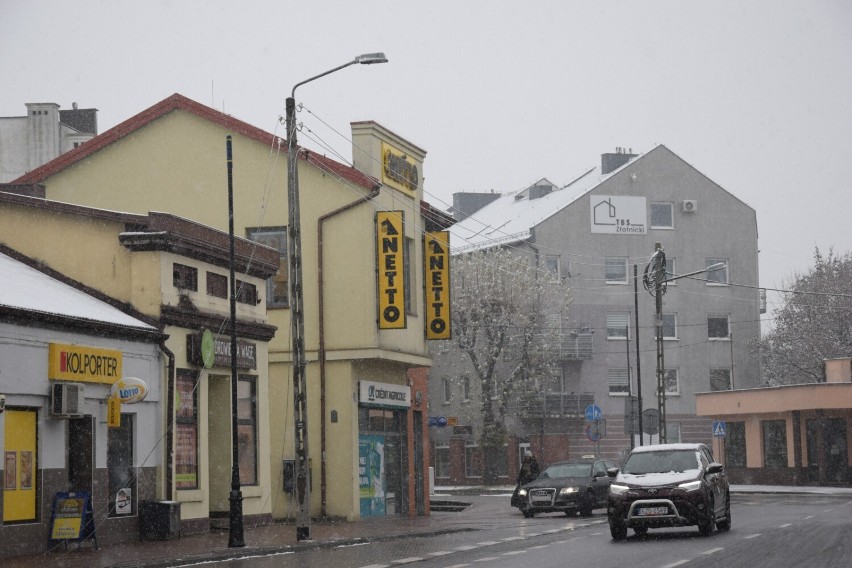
612, 161
538, 191
466, 204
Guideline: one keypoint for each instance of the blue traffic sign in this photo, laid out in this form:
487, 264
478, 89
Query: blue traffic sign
718, 428
593, 412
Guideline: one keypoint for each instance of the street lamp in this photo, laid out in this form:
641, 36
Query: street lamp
658, 283
297, 316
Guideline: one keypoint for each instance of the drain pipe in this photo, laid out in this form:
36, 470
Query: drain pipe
321, 350
170, 419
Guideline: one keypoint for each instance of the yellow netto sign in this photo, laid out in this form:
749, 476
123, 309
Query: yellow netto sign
398, 171
437, 274
390, 249
83, 364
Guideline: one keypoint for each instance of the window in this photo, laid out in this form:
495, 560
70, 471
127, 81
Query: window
662, 216
551, 266
277, 292
186, 426
407, 259
448, 391
717, 327
185, 278
120, 468
617, 326
672, 433
618, 383
247, 293
247, 429
670, 271
442, 460
774, 443
465, 388
716, 277
217, 285
669, 327
615, 271
735, 444
672, 382
720, 379
472, 461
501, 462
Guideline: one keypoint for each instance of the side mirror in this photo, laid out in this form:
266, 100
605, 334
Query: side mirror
715, 468
612, 472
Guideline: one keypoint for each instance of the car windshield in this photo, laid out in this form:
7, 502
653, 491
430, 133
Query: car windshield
661, 462
568, 470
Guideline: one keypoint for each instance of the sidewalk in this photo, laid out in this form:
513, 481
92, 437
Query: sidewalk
281, 537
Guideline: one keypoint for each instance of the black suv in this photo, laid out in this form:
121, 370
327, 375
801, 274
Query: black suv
668, 485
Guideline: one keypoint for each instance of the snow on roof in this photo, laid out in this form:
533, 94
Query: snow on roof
511, 217
28, 289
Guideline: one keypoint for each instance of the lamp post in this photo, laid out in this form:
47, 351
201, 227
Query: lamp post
297, 316
658, 281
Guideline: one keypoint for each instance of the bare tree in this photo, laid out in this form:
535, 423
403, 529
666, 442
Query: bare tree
814, 324
506, 319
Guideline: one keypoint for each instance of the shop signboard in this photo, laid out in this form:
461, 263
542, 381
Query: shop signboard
384, 394
618, 214
390, 264
436, 257
83, 364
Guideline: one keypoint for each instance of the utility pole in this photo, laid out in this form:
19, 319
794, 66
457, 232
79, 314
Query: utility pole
659, 283
638, 368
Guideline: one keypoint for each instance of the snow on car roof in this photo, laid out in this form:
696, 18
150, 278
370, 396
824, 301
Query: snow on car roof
663, 447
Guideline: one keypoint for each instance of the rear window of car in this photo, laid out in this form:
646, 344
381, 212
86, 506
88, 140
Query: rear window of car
661, 462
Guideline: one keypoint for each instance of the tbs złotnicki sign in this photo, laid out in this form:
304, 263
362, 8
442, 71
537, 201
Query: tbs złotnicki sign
618, 214
83, 364
384, 394
437, 271
390, 249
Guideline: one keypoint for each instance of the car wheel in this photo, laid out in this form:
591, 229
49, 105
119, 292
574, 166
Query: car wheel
640, 531
706, 526
725, 525
586, 505
526, 513
618, 529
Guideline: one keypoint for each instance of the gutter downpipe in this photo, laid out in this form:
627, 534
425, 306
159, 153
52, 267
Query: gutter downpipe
321, 349
170, 418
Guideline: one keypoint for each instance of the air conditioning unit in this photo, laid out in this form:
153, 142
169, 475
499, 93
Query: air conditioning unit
690, 205
66, 399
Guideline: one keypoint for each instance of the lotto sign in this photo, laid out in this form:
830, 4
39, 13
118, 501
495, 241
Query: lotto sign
390, 248
437, 274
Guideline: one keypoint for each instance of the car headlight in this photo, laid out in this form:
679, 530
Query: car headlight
617, 489
522, 492
691, 485
568, 490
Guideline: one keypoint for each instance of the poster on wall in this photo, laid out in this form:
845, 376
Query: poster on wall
124, 502
618, 214
26, 470
11, 481
371, 474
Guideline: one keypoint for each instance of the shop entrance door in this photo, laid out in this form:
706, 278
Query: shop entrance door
827, 451
81, 465
383, 462
20, 468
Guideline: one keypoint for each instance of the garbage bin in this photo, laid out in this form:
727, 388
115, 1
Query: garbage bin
160, 520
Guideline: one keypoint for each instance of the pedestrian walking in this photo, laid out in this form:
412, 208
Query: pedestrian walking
528, 472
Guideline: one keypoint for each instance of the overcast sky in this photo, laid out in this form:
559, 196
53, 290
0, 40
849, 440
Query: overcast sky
756, 94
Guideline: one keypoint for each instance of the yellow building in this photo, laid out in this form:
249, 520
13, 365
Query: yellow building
171, 157
173, 273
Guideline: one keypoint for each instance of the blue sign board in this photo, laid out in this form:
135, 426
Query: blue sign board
593, 412
718, 428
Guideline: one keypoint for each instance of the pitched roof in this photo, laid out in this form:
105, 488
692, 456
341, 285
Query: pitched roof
180, 102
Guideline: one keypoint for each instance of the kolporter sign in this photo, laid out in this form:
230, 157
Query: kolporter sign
390, 250
384, 394
437, 272
83, 364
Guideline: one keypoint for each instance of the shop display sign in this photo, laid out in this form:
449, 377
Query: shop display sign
384, 394
618, 214
398, 171
390, 252
437, 274
371, 474
72, 517
200, 350
83, 364
129, 390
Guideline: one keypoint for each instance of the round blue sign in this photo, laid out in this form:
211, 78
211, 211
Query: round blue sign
442, 421
593, 412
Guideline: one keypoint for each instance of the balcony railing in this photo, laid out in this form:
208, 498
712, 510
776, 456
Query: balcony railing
552, 405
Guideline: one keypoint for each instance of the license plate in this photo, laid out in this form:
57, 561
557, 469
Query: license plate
651, 511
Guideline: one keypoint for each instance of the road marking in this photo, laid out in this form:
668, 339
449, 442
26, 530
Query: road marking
408, 560
809, 517
487, 559
539, 546
712, 550
440, 553
597, 534
752, 535
377, 566
511, 538
514, 552
466, 547
785, 525
458, 565
551, 531
487, 543
678, 563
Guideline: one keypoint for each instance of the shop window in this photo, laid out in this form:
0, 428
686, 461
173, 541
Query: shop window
247, 429
185, 278
717, 327
442, 460
735, 444
774, 443
472, 461
217, 285
186, 427
615, 270
277, 287
120, 469
617, 326
618, 382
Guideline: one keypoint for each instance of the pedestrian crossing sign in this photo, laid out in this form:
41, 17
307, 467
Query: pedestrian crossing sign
718, 428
